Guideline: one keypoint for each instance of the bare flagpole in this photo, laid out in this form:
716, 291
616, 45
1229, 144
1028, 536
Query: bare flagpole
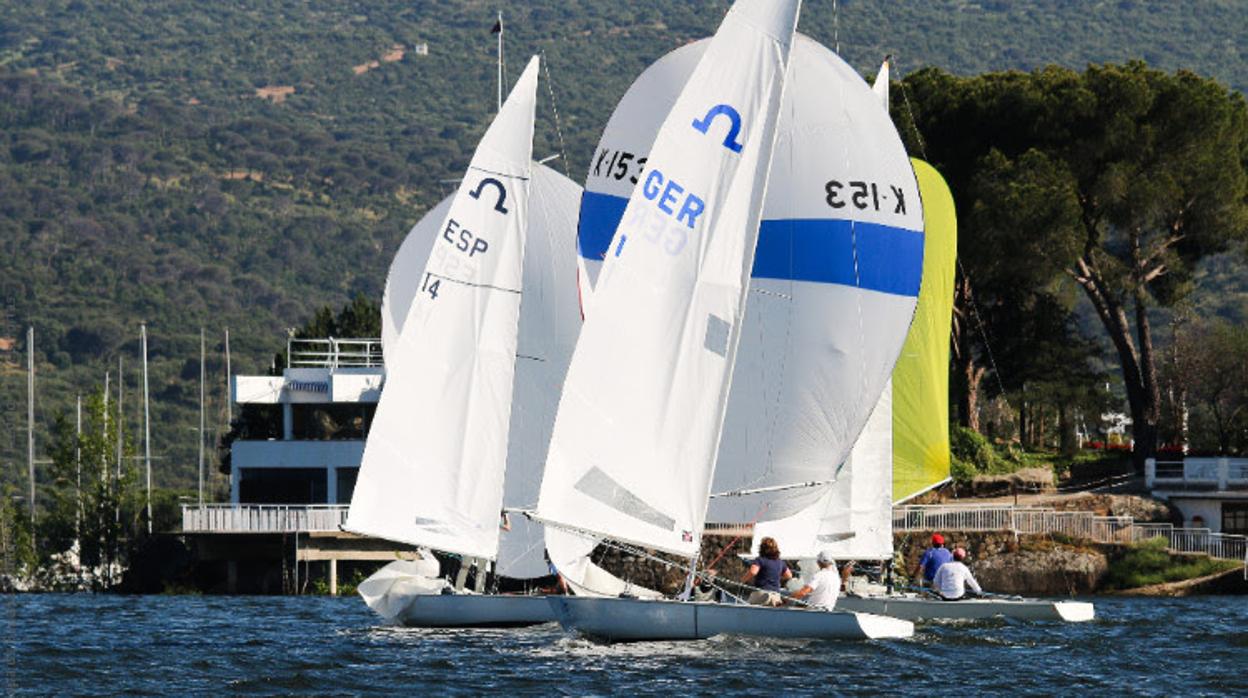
147, 427
229, 407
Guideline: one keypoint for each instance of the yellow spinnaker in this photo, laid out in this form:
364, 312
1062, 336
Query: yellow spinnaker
921, 376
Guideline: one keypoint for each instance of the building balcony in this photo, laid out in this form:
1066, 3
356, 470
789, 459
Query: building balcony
263, 518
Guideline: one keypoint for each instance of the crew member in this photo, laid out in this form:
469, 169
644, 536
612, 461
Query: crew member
766, 574
954, 577
824, 588
932, 559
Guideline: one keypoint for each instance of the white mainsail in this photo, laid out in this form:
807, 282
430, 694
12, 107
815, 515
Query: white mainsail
433, 466
550, 321
640, 418
834, 282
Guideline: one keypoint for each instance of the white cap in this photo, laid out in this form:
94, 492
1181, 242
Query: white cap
825, 557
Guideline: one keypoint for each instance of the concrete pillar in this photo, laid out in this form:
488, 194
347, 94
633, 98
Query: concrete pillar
1224, 471
288, 422
1150, 471
331, 485
236, 476
333, 577
231, 576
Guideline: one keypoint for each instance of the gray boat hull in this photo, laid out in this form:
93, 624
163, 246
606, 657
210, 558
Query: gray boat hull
913, 607
631, 620
475, 611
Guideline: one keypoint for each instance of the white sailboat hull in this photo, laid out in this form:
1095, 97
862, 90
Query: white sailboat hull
630, 620
911, 607
475, 611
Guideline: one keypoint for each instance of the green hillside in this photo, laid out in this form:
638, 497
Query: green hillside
241, 164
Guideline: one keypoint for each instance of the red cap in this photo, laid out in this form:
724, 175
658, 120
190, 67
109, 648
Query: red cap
938, 539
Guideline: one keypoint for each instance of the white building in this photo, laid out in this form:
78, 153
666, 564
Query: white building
303, 432
1211, 493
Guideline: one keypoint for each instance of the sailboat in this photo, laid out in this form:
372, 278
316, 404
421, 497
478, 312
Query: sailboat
645, 424
904, 449
479, 319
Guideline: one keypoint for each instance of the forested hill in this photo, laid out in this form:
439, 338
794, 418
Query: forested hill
243, 163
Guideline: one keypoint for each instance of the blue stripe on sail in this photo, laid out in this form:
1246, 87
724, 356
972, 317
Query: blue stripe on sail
600, 215
890, 259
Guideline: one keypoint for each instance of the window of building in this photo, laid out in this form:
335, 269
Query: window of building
283, 486
346, 484
257, 422
339, 421
1235, 517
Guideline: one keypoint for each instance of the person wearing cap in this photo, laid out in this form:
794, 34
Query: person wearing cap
954, 577
823, 589
932, 560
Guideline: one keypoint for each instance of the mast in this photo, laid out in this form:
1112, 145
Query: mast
99, 510
30, 419
147, 428
201, 416
500, 60
121, 383
229, 407
78, 479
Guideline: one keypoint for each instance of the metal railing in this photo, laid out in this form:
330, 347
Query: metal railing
1076, 524
262, 518
333, 353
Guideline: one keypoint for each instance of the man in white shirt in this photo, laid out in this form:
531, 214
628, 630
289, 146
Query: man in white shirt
954, 576
823, 589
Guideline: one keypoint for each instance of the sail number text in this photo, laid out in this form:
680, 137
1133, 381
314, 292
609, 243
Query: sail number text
618, 164
466, 242
865, 195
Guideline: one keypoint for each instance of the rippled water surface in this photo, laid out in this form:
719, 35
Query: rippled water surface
266, 645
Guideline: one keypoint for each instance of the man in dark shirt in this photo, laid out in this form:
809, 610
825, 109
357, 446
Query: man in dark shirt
932, 559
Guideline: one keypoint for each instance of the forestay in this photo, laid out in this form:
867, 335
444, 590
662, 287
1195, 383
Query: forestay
433, 466
641, 413
834, 281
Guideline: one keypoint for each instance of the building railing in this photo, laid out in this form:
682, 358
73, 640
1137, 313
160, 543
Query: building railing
1222, 473
333, 353
1076, 524
262, 518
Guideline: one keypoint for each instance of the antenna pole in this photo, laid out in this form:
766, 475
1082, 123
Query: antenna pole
147, 428
30, 420
500, 60
201, 416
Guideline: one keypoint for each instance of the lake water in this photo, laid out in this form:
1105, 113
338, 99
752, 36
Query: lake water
81, 644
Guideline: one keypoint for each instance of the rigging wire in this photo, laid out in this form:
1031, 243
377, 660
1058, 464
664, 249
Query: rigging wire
979, 320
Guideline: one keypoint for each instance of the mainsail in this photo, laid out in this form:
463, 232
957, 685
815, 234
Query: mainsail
433, 466
549, 324
641, 414
834, 281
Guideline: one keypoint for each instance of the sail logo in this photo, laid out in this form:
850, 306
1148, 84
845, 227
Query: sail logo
502, 193
734, 125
